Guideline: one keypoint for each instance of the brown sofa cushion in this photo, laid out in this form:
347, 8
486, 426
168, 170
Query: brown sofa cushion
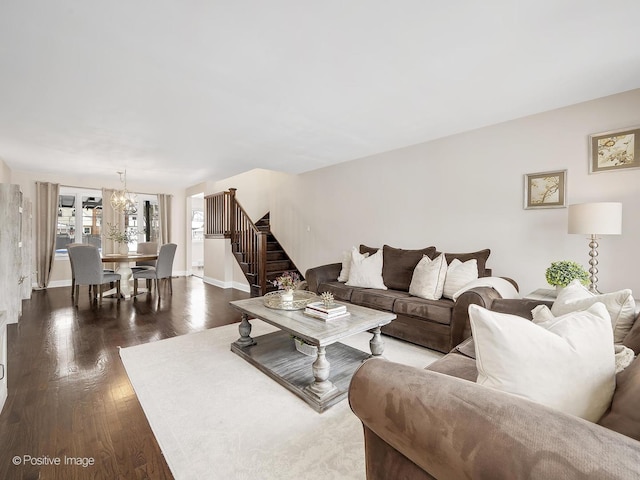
481, 256
467, 348
374, 298
632, 340
624, 414
398, 265
338, 289
434, 310
456, 365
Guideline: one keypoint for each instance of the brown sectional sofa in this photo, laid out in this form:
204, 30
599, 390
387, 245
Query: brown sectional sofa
437, 423
436, 324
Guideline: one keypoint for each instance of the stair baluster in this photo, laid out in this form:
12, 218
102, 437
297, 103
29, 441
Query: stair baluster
259, 254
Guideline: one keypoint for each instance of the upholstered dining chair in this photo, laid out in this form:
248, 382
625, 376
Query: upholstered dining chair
73, 275
162, 270
87, 270
146, 247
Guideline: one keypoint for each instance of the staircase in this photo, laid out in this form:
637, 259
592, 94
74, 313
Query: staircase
259, 254
277, 261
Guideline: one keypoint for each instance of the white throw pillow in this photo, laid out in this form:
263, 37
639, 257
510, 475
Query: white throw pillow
620, 304
346, 264
566, 363
428, 278
541, 314
504, 287
366, 271
624, 357
458, 275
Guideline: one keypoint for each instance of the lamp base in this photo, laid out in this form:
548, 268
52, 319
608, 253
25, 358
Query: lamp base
593, 263
593, 289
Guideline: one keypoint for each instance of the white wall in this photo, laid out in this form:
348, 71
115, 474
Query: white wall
220, 267
61, 273
465, 192
253, 190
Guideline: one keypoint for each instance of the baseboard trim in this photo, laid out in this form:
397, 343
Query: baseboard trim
56, 284
242, 287
67, 283
220, 284
3, 395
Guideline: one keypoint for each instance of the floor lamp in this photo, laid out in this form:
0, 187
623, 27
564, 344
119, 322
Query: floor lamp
593, 219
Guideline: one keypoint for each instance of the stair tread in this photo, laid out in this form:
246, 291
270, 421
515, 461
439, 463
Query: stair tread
276, 260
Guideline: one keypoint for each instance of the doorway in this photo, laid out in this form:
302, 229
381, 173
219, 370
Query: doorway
197, 235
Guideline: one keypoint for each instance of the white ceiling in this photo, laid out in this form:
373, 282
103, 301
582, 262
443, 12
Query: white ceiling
180, 92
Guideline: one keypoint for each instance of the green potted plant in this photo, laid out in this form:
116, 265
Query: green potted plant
122, 237
561, 273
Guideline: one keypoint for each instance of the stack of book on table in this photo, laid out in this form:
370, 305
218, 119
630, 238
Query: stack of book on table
319, 310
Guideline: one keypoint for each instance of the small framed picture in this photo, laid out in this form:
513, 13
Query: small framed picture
615, 150
545, 189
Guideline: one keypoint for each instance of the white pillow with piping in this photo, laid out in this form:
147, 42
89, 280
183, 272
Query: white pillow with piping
366, 271
620, 305
428, 278
458, 275
566, 363
346, 264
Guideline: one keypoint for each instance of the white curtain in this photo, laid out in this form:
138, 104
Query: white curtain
109, 217
46, 229
164, 212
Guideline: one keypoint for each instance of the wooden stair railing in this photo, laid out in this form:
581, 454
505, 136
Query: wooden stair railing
225, 218
217, 219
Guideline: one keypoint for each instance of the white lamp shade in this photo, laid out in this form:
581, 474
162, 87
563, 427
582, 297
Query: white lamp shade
601, 218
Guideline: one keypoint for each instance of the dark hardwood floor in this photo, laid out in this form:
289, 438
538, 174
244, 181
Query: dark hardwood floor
69, 395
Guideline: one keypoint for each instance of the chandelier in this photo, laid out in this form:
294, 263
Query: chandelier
123, 200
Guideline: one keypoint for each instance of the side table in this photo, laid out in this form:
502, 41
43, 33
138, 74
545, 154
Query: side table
544, 294
550, 294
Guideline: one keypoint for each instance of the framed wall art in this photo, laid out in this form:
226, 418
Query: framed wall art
545, 189
615, 150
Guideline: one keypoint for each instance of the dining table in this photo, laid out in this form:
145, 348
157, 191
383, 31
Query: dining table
123, 267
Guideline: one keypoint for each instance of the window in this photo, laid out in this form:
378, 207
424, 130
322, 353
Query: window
80, 219
146, 222
197, 224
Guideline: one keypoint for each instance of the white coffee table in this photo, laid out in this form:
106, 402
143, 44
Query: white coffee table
317, 381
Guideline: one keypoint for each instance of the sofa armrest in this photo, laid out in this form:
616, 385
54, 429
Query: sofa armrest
460, 325
512, 282
324, 273
518, 306
453, 428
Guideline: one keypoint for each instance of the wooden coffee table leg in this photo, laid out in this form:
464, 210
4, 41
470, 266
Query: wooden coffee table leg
322, 386
376, 343
245, 332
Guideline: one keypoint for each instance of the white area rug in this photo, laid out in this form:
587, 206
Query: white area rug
217, 417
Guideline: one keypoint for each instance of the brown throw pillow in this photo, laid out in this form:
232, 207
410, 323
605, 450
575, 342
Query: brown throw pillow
624, 416
481, 256
398, 265
370, 250
632, 340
